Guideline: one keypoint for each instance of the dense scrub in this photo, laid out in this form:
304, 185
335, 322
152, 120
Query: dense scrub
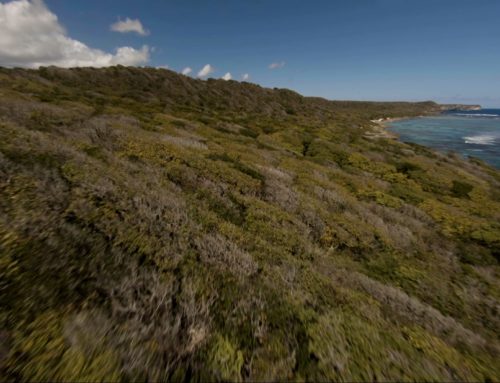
157, 227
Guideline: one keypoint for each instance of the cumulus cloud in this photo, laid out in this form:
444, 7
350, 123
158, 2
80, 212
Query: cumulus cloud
277, 65
31, 36
186, 71
129, 25
245, 77
227, 76
206, 70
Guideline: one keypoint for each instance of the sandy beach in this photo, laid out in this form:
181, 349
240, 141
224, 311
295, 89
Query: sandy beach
380, 129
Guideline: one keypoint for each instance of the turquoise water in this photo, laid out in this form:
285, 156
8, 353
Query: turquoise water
469, 133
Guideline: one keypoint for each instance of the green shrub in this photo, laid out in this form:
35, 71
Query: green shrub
226, 362
407, 167
461, 189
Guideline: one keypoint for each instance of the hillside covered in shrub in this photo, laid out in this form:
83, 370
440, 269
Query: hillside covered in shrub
156, 227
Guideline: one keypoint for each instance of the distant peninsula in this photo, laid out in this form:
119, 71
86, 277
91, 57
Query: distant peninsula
456, 107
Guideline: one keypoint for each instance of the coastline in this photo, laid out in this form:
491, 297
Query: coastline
464, 136
380, 128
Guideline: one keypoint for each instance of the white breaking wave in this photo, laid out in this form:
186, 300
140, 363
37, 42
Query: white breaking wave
476, 115
480, 140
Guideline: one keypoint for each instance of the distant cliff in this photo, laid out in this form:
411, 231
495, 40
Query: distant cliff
451, 107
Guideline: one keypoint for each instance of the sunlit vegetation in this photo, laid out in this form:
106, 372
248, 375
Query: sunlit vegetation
155, 227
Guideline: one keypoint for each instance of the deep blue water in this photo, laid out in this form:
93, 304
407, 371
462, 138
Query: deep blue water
469, 133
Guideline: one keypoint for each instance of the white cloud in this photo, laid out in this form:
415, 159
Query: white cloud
206, 70
129, 25
227, 76
186, 71
128, 56
31, 36
277, 65
245, 77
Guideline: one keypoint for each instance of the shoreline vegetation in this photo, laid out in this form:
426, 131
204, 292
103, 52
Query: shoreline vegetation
381, 129
155, 227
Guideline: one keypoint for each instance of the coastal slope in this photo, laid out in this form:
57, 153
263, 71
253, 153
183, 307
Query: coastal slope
156, 227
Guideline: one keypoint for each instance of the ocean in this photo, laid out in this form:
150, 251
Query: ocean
470, 133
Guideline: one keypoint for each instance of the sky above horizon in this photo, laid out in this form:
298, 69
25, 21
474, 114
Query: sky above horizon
447, 50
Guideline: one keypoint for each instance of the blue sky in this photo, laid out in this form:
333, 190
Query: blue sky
444, 50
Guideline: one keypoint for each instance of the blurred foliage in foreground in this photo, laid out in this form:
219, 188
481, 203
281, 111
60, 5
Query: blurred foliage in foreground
157, 227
